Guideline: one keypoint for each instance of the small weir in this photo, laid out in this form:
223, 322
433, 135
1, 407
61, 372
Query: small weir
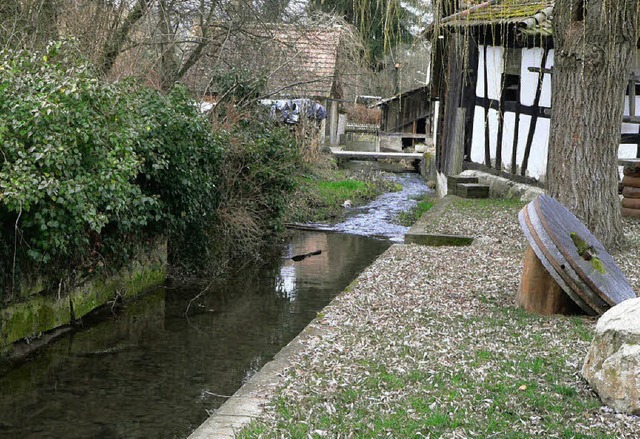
152, 370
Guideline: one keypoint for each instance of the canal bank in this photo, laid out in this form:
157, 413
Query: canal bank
158, 366
428, 342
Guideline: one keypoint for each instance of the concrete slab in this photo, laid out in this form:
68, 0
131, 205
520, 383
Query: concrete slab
500, 187
438, 240
421, 234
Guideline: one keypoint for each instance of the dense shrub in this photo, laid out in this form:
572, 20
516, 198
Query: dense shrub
260, 163
90, 168
68, 157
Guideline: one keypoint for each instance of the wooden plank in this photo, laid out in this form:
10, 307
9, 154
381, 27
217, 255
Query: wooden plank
632, 172
469, 94
454, 164
540, 70
363, 155
631, 192
631, 203
628, 180
406, 135
630, 163
630, 213
516, 129
534, 117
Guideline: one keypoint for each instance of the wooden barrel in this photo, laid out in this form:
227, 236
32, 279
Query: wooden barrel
630, 181
631, 192
631, 203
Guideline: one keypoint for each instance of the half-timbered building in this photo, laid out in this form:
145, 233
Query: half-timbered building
495, 61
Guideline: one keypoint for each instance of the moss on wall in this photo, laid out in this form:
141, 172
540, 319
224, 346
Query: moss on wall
38, 313
26, 319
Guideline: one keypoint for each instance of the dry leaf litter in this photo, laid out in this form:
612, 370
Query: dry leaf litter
427, 342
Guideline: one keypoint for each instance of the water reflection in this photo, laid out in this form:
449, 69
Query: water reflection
150, 371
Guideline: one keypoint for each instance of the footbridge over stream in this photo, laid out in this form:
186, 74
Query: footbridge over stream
416, 157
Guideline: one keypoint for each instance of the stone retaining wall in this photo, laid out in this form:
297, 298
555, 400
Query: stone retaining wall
39, 313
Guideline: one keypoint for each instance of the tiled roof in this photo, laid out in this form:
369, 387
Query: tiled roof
307, 61
531, 16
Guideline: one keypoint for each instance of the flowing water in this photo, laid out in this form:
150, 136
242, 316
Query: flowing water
149, 371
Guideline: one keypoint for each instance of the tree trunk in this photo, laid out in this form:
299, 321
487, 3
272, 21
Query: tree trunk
117, 40
593, 46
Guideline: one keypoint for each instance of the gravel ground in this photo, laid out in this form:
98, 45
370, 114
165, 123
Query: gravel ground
427, 342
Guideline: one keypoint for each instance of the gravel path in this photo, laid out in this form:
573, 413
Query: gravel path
427, 342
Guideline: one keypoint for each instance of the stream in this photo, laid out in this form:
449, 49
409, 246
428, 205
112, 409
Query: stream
148, 371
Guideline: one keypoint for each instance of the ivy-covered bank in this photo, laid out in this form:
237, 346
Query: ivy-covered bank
93, 172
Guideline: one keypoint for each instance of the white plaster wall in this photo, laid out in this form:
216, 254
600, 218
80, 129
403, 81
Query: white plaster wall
477, 139
537, 166
627, 151
508, 132
539, 149
529, 80
523, 129
495, 68
493, 132
545, 96
480, 81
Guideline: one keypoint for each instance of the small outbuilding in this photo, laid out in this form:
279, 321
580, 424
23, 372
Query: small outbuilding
406, 119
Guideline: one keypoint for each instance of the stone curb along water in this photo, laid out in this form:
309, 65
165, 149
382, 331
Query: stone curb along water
419, 233
41, 313
248, 402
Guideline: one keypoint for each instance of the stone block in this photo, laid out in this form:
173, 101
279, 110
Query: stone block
30, 318
454, 180
612, 366
472, 190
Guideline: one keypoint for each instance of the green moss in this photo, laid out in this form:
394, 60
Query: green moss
30, 318
587, 252
43, 313
581, 245
31, 286
597, 265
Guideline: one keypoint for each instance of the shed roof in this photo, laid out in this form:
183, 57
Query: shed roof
381, 102
530, 16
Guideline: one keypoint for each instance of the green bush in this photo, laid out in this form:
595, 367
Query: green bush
91, 169
69, 163
181, 159
259, 173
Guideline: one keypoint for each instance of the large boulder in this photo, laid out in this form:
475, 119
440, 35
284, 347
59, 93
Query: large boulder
612, 366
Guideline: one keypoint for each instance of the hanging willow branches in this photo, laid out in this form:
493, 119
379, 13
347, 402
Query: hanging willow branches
383, 24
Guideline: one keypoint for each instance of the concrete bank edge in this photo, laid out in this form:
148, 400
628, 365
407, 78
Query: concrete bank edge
249, 400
